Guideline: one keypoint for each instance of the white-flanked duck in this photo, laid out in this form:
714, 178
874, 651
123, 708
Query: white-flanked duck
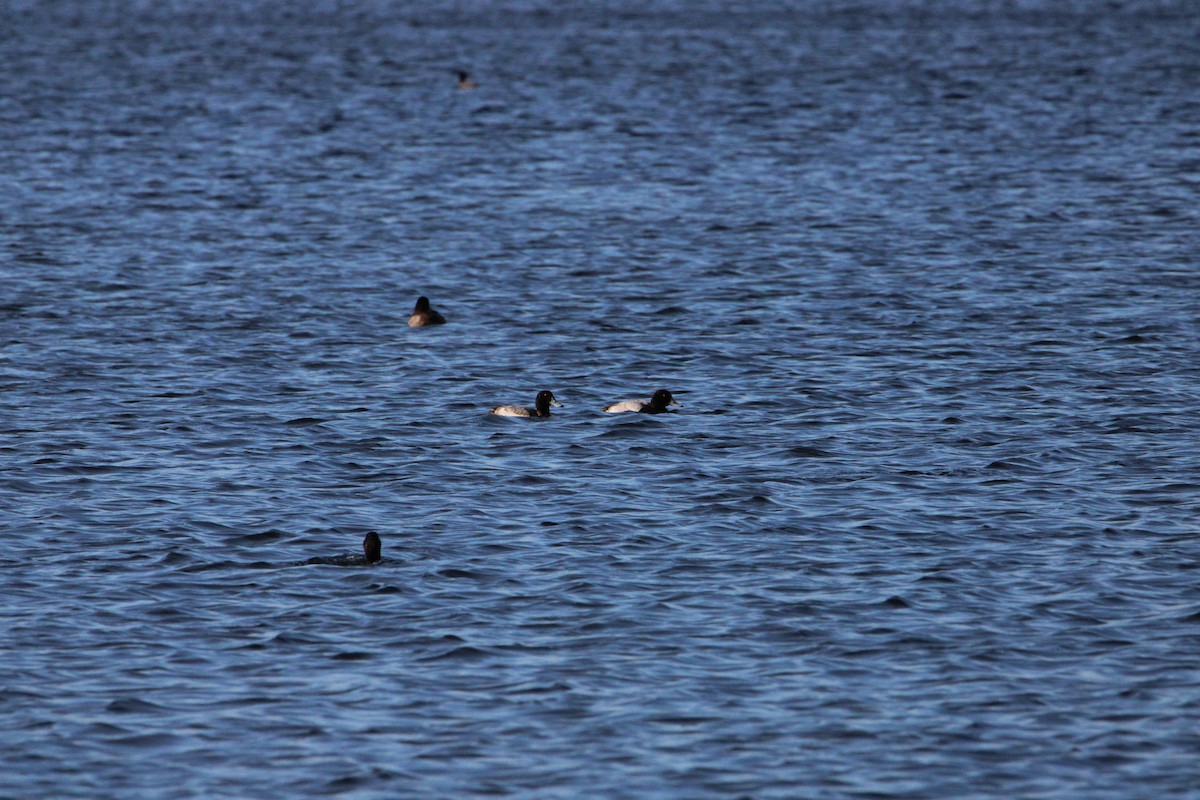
541, 407
659, 403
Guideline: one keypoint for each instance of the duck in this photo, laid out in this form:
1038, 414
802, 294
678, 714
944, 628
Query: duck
465, 82
372, 548
372, 554
657, 404
541, 407
424, 314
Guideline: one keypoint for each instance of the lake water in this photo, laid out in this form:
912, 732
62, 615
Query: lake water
925, 276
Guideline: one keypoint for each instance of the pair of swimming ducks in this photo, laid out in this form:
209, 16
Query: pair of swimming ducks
660, 402
425, 314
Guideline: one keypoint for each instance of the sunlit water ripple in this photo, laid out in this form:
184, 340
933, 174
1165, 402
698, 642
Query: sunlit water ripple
924, 276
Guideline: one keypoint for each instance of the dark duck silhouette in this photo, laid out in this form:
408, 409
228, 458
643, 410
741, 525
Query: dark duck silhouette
372, 554
424, 314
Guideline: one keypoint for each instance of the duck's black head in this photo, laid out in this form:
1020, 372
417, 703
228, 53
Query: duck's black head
543, 401
422, 304
372, 548
661, 399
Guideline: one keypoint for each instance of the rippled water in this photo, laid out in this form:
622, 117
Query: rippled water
924, 276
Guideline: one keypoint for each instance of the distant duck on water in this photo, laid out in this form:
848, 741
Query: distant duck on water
657, 404
372, 554
465, 82
541, 407
424, 314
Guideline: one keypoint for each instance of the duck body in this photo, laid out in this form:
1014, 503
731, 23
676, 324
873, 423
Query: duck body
658, 404
424, 314
541, 407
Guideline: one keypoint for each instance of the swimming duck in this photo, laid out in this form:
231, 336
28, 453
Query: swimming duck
372, 554
655, 405
424, 314
372, 548
541, 407
465, 82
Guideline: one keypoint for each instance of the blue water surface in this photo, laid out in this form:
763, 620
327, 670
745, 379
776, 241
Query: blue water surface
924, 275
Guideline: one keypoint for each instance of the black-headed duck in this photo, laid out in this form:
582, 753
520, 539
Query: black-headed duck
541, 407
424, 314
465, 82
372, 554
657, 404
